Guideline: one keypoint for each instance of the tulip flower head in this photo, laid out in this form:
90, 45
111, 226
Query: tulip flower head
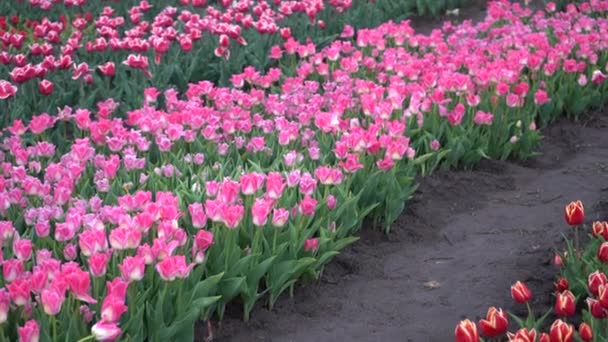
466, 331
520, 292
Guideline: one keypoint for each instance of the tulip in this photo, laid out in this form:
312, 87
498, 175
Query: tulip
7, 90
520, 292
133, 268
280, 217
561, 285
260, 211
557, 260
594, 280
602, 295
22, 249
197, 214
46, 87
561, 332
596, 309
112, 308
523, 335
311, 245
599, 228
80, 283
52, 300
575, 213
602, 252
575, 216
30, 332
104, 331
585, 332
203, 240
565, 304
5, 302
466, 331
495, 324
19, 291
98, 263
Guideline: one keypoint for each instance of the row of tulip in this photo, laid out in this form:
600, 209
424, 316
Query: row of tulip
582, 279
136, 226
77, 52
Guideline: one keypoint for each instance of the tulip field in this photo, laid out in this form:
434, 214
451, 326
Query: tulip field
165, 160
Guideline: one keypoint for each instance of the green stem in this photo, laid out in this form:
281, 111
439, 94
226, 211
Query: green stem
88, 338
54, 327
576, 241
274, 241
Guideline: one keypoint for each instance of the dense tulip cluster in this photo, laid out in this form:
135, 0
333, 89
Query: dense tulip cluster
83, 51
576, 283
136, 221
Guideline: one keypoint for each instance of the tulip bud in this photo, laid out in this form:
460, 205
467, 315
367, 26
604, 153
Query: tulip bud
520, 293
544, 337
104, 331
575, 213
602, 295
557, 260
596, 309
565, 304
594, 280
466, 331
523, 335
495, 324
585, 332
561, 332
561, 285
598, 228
602, 252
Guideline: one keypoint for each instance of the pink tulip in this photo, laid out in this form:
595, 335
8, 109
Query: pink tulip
5, 302
79, 283
132, 268
251, 183
30, 332
260, 211
92, 241
280, 217
117, 288
69, 252
7, 90
19, 291
173, 267
98, 263
311, 245
112, 308
199, 218
22, 249
52, 300
232, 216
11, 269
106, 332
229, 192
307, 206
203, 240
274, 185
39, 279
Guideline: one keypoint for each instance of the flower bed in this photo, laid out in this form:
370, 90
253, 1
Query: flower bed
77, 52
138, 226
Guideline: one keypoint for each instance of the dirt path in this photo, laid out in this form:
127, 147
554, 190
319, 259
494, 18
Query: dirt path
463, 240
